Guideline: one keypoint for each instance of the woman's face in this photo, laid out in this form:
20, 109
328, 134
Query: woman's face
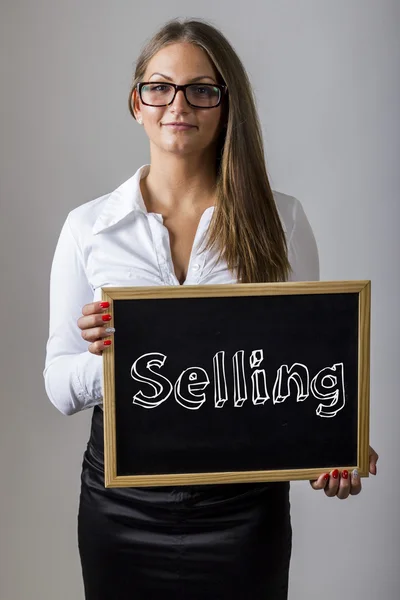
180, 63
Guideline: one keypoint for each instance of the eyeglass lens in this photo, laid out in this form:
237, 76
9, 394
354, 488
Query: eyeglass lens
201, 95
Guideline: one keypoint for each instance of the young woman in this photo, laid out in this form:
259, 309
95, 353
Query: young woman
206, 182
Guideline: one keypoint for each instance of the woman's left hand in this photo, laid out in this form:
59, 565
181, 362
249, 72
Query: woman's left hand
344, 484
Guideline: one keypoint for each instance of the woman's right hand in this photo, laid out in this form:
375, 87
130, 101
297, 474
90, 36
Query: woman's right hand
95, 326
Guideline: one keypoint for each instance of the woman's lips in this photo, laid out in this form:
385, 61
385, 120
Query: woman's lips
178, 127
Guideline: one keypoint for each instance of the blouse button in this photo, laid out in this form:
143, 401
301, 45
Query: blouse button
196, 267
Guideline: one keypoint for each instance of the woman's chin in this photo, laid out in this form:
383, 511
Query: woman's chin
180, 148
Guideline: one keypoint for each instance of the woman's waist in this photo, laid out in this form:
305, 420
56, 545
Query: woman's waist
218, 491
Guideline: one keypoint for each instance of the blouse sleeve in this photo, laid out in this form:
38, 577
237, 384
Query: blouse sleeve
302, 248
73, 375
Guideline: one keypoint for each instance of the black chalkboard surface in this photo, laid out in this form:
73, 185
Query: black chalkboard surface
231, 383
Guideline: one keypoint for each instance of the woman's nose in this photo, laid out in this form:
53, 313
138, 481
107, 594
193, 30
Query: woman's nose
180, 101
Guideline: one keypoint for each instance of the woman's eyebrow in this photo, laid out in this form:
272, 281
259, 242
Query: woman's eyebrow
190, 81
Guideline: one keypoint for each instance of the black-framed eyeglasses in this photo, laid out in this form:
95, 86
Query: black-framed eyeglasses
198, 95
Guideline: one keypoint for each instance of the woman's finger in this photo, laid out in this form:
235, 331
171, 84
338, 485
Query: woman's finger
344, 485
96, 333
373, 459
95, 308
91, 321
355, 483
99, 346
333, 485
320, 483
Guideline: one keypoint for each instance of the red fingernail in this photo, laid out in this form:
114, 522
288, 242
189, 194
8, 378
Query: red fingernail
104, 304
106, 317
345, 474
107, 342
335, 474
326, 477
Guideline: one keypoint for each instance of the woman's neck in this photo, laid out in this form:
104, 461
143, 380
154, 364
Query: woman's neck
181, 185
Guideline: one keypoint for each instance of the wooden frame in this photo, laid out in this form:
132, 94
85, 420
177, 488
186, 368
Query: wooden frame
362, 288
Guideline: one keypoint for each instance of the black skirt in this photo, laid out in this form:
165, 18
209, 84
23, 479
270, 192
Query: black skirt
204, 542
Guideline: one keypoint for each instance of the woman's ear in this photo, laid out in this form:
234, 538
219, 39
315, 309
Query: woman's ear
135, 105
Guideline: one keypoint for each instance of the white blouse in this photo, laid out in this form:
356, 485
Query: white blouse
114, 241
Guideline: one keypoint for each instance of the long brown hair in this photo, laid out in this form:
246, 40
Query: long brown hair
245, 227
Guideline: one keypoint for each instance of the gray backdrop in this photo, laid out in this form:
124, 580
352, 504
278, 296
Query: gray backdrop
327, 79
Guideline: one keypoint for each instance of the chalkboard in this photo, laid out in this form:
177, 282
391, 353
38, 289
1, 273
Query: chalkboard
236, 383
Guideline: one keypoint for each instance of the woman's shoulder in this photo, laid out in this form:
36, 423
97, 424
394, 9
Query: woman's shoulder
104, 211
87, 213
81, 219
288, 208
303, 250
